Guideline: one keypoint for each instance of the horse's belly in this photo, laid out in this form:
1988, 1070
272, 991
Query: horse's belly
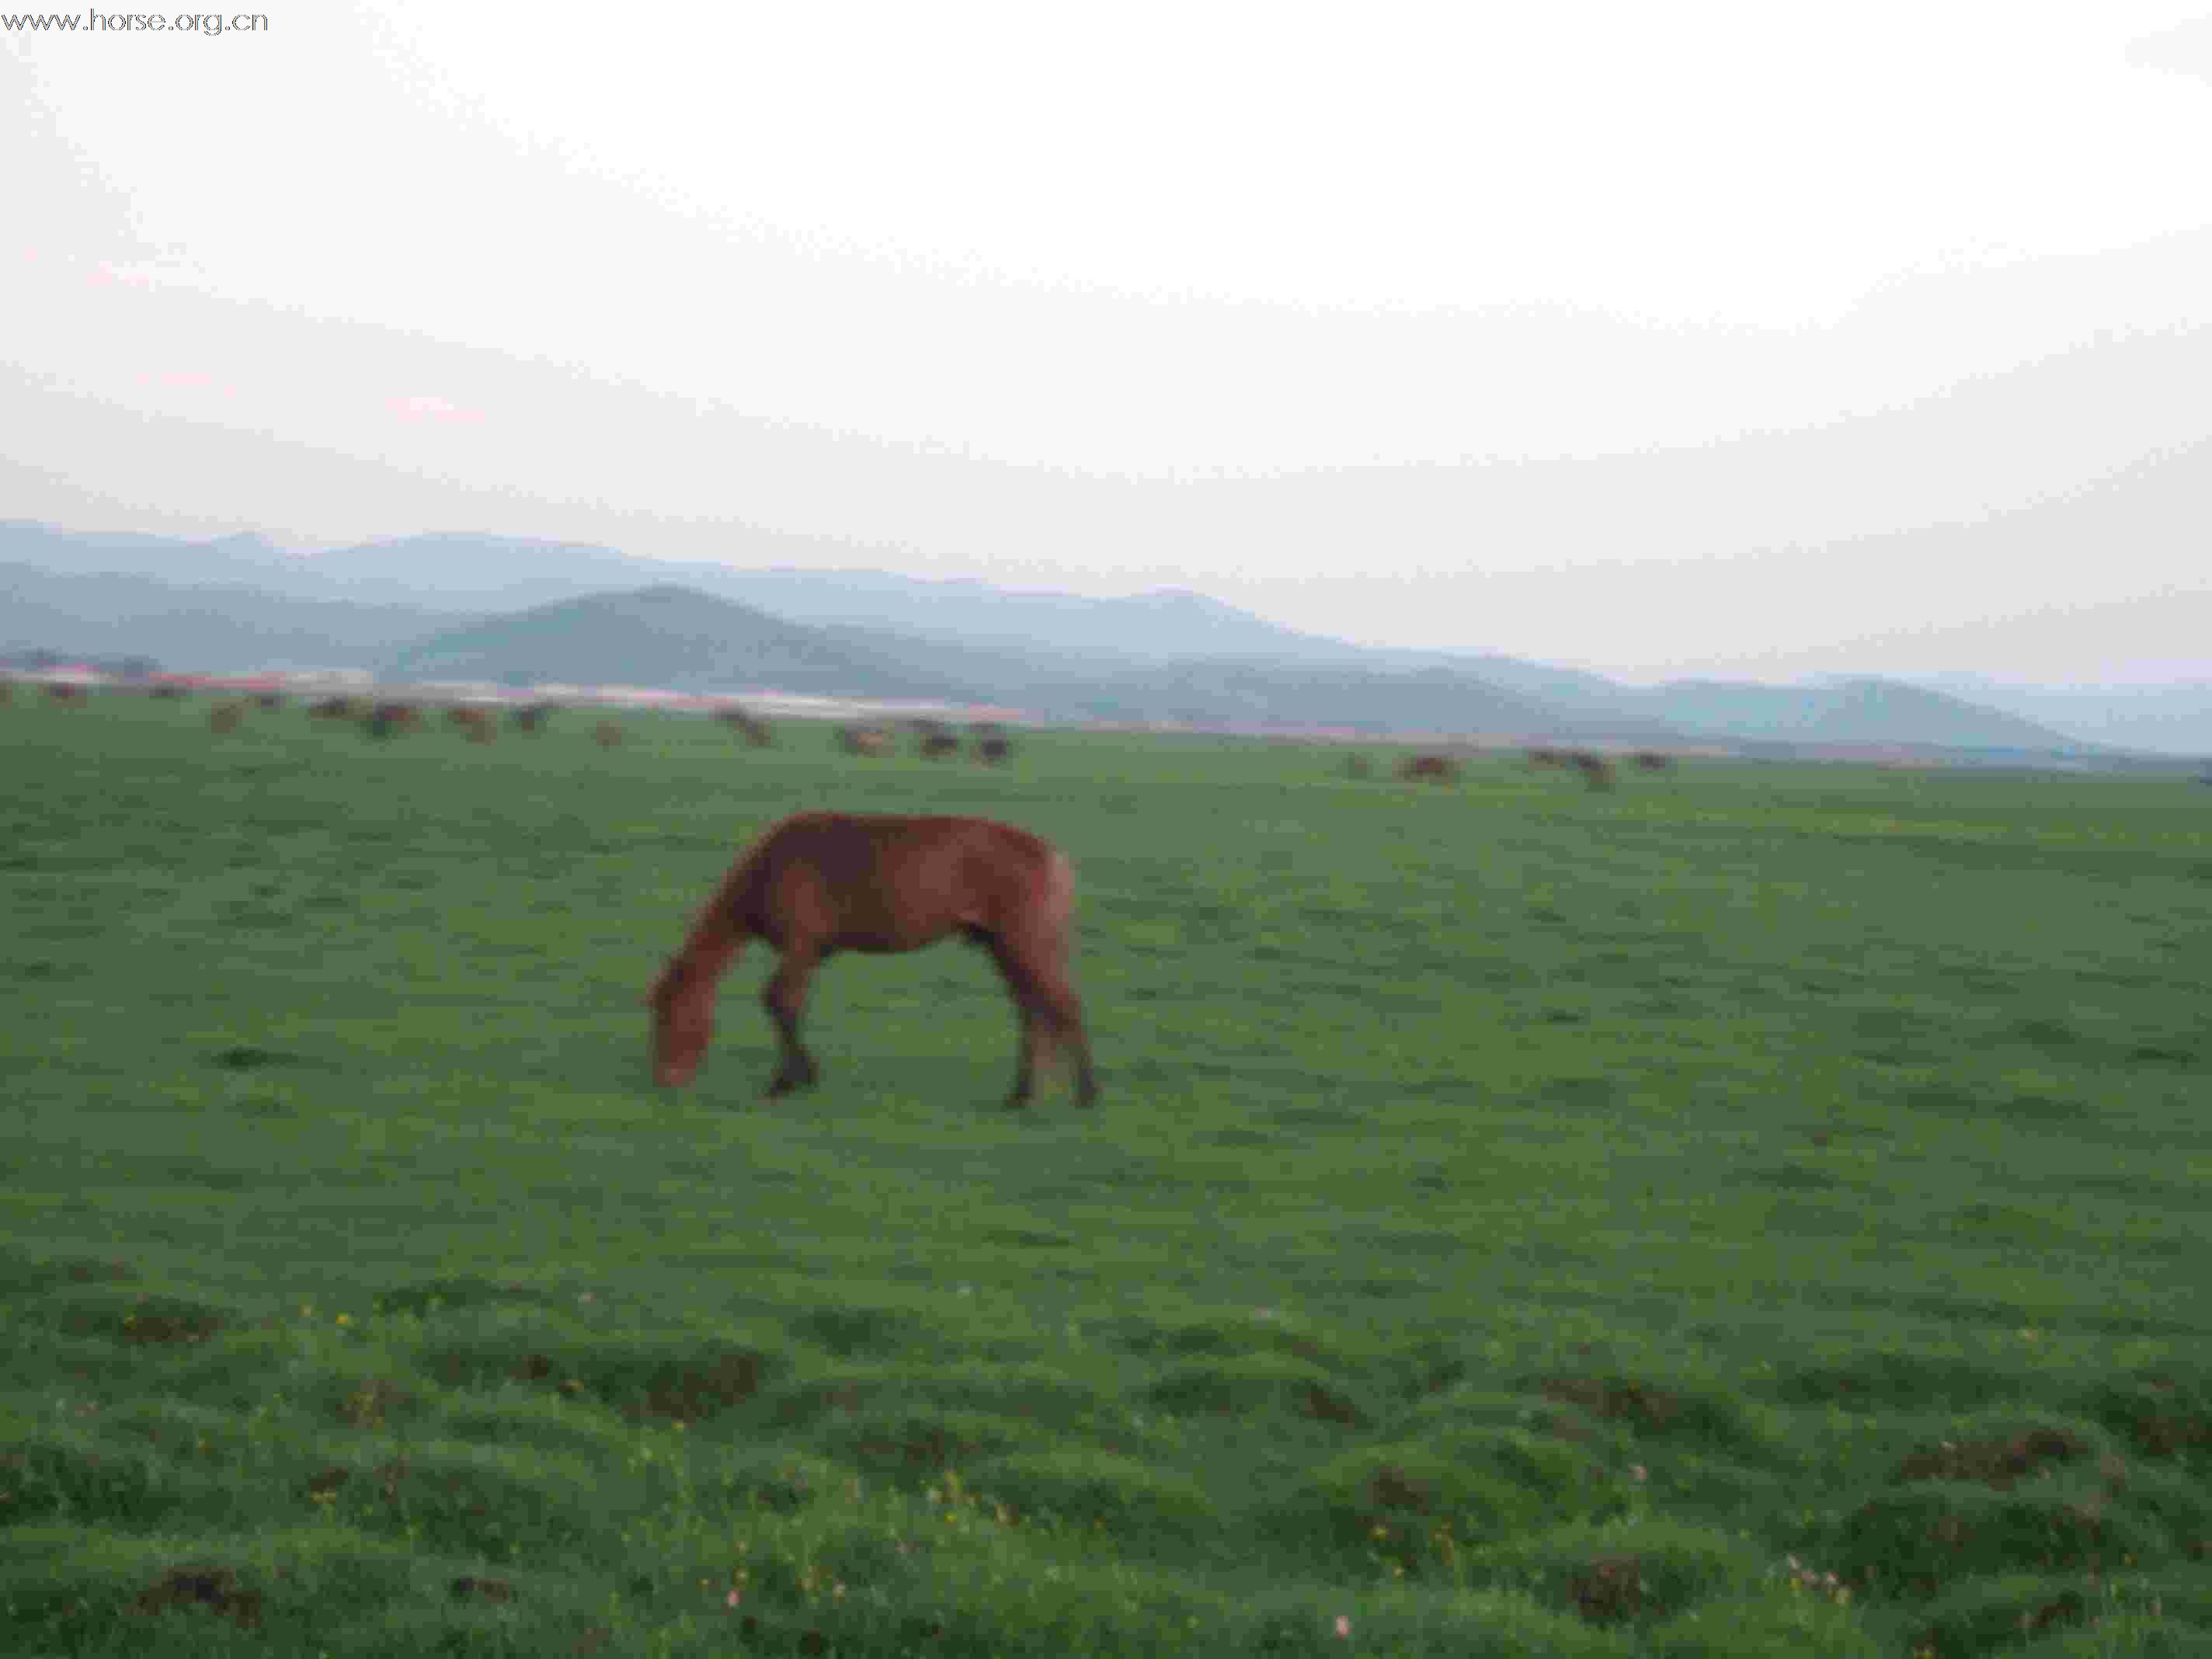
887, 941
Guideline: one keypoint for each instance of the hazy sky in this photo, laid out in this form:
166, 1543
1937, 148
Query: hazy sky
1739, 337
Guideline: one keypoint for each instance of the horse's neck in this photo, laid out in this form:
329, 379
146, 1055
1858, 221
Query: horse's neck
707, 953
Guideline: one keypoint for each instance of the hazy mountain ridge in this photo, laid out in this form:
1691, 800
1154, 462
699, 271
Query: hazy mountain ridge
666, 635
690, 640
1171, 654
1856, 711
2175, 717
199, 625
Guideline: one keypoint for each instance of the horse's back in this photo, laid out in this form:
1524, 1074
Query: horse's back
884, 882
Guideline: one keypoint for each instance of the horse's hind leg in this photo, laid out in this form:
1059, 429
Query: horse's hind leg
1076, 1042
1025, 1059
1064, 1014
1022, 987
785, 999
1049, 1010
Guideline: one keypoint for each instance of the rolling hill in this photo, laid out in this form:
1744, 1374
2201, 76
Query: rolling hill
1856, 711
663, 635
605, 617
191, 626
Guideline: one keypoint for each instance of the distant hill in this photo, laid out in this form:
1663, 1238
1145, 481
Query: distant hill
467, 571
1378, 699
572, 612
667, 636
686, 640
1857, 711
187, 627
2176, 717
244, 561
1167, 625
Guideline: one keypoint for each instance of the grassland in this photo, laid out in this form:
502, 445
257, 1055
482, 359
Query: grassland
1763, 1211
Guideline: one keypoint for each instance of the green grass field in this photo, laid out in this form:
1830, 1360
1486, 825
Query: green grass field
1762, 1211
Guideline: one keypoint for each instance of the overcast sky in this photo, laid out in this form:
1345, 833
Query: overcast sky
1724, 337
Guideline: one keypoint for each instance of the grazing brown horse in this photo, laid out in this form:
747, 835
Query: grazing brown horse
819, 883
754, 732
1597, 770
1652, 760
994, 751
1442, 767
864, 740
607, 735
225, 717
388, 719
939, 745
474, 723
531, 719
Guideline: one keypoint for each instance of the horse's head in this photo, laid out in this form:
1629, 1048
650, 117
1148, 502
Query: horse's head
683, 1005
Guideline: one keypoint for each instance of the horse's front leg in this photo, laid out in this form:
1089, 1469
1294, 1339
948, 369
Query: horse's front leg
785, 999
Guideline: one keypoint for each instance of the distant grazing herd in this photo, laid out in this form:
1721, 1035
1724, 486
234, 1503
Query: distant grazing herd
1597, 770
934, 739
385, 719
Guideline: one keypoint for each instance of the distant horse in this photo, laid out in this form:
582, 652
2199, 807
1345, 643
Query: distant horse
753, 731
268, 700
69, 697
1652, 760
532, 719
864, 740
1358, 766
1597, 770
225, 717
607, 735
388, 719
819, 883
994, 751
165, 693
939, 745
1548, 758
1442, 767
336, 708
475, 724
